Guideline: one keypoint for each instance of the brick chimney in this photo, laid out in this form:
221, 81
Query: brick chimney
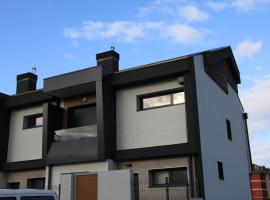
109, 59
26, 82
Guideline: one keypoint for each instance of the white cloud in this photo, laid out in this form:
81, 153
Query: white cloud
130, 31
249, 5
248, 48
256, 102
260, 153
175, 10
192, 13
183, 33
218, 5
126, 30
240, 5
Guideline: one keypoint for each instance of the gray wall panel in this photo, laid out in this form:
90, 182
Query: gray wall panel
214, 107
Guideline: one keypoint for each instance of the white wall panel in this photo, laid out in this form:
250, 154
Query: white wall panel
24, 144
148, 128
214, 106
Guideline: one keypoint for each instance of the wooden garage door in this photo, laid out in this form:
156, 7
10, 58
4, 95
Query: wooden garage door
86, 187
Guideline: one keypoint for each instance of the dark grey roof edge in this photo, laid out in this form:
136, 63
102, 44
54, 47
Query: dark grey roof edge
172, 59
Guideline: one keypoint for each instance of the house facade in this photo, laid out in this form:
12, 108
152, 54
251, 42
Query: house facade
260, 183
177, 122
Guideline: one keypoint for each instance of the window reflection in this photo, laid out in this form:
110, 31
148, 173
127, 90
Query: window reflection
157, 101
173, 98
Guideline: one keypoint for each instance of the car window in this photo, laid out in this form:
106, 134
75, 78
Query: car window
7, 198
37, 198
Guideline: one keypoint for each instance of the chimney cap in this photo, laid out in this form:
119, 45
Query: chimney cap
29, 75
107, 54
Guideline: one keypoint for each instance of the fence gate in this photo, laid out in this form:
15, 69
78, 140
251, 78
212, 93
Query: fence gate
86, 187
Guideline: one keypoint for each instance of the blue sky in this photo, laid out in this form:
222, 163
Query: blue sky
62, 36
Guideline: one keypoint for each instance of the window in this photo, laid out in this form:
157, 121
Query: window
82, 116
220, 170
36, 183
229, 131
160, 99
13, 185
38, 198
33, 121
171, 177
136, 186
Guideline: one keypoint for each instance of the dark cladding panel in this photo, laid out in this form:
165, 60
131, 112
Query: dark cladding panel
72, 79
4, 129
109, 116
148, 73
220, 65
53, 120
72, 151
27, 99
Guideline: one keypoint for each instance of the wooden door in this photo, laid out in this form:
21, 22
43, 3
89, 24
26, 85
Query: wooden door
86, 187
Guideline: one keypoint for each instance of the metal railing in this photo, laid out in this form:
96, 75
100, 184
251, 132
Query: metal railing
144, 191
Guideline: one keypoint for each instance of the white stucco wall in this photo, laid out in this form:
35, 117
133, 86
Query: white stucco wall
214, 107
25, 144
57, 171
154, 127
123, 190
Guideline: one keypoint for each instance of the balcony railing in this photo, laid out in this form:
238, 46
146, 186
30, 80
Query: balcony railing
143, 191
76, 133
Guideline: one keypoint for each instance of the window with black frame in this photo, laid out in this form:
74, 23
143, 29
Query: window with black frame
82, 116
33, 121
13, 185
168, 177
36, 183
161, 99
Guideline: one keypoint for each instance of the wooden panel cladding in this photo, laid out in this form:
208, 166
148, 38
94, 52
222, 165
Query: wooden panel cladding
86, 187
79, 101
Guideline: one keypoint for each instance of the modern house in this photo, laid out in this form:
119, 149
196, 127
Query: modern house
260, 183
174, 123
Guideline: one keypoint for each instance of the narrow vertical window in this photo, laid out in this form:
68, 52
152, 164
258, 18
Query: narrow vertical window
229, 130
220, 170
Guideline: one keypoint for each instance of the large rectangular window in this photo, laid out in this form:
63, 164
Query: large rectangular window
33, 121
36, 183
220, 170
160, 99
229, 130
13, 185
82, 116
168, 177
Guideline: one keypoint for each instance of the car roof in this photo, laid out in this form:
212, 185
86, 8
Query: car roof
25, 191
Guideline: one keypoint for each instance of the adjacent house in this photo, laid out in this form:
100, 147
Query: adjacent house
260, 183
174, 123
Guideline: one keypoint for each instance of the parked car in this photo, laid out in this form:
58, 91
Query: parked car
27, 194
